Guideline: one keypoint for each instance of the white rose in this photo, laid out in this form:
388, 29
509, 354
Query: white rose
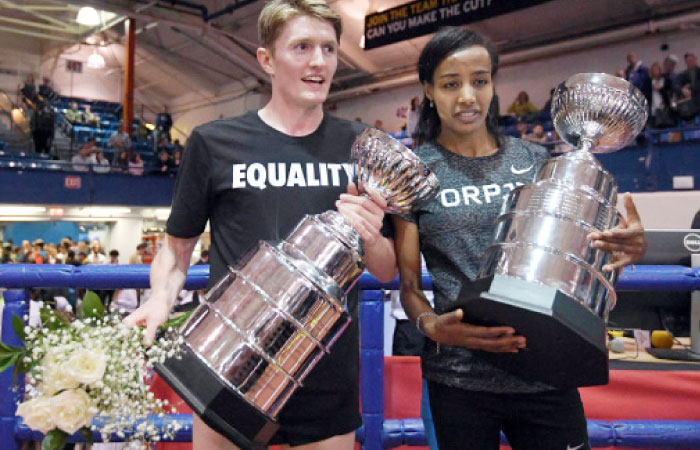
86, 366
57, 378
37, 414
71, 410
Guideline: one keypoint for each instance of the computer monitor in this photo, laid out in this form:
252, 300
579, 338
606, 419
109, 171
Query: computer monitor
653, 310
671, 247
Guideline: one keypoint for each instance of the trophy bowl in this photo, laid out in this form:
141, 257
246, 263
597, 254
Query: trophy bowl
540, 275
387, 167
598, 112
266, 324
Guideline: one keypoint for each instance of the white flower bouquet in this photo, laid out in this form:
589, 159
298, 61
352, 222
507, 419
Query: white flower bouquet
86, 366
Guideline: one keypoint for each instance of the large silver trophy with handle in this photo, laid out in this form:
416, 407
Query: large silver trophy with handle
541, 275
263, 327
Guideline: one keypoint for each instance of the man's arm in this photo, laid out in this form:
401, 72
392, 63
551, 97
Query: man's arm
366, 215
168, 275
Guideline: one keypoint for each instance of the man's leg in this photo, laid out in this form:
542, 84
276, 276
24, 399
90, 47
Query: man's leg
340, 442
205, 438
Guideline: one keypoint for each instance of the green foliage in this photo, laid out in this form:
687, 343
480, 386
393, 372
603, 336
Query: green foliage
54, 440
18, 326
92, 306
175, 322
87, 435
52, 320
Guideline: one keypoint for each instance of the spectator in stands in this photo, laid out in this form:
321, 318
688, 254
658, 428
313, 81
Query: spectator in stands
137, 258
177, 158
86, 156
164, 163
203, 258
119, 140
71, 259
670, 63
688, 88
537, 135
546, 111
113, 257
91, 118
74, 115
521, 129
135, 164
412, 116
121, 161
46, 90
163, 146
661, 111
177, 146
164, 122
42, 124
379, 125
96, 255
101, 163
522, 107
638, 74
28, 91
695, 224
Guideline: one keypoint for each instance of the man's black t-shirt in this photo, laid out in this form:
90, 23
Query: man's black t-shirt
255, 183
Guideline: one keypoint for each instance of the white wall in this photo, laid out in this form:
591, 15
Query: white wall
93, 84
18, 58
190, 110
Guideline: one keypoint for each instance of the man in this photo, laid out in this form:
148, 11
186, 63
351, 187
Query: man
113, 257
688, 88
96, 256
164, 122
86, 156
203, 258
299, 42
638, 74
119, 140
137, 258
42, 125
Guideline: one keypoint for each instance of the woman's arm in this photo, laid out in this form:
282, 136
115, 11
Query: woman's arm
447, 328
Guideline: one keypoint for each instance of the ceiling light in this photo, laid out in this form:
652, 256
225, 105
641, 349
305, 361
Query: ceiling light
88, 15
96, 61
99, 211
22, 209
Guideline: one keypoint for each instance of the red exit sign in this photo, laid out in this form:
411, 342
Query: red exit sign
73, 182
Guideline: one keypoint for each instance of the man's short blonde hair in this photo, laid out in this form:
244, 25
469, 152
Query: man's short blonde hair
277, 13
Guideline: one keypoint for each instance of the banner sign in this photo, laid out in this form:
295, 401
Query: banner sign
427, 16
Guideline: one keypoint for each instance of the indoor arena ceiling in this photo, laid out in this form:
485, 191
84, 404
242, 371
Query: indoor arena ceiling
206, 44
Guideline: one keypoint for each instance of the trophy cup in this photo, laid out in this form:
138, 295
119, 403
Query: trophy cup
541, 276
266, 324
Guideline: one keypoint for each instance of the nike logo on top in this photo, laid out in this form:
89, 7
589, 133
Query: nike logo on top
568, 447
521, 171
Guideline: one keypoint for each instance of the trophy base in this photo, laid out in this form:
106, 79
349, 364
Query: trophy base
565, 341
215, 403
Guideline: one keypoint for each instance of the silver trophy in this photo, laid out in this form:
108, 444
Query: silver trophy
541, 275
265, 325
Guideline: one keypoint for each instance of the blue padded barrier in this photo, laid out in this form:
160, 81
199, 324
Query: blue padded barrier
377, 432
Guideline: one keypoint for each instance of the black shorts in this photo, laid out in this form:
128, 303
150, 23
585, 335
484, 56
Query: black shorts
470, 420
328, 403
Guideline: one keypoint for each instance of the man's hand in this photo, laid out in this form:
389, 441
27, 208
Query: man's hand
152, 315
449, 329
627, 241
365, 213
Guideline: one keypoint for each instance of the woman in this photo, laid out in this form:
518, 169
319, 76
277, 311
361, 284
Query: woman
135, 164
121, 162
472, 400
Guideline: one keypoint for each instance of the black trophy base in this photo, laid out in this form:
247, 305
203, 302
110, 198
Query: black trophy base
215, 403
565, 341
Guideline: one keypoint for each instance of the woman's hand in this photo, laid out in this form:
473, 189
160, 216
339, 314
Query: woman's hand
365, 214
449, 329
627, 241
